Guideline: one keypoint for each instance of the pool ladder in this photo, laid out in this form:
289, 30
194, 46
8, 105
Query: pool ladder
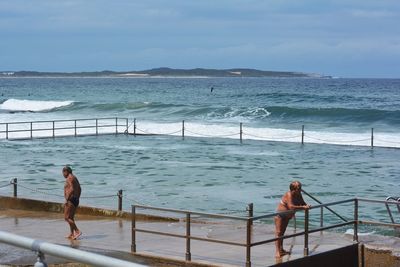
397, 199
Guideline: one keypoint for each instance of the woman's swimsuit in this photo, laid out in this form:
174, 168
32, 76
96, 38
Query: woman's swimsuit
285, 215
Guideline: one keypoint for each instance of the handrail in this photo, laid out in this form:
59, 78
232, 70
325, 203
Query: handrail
396, 225
212, 215
42, 247
302, 233
378, 201
319, 202
312, 207
248, 244
61, 128
27, 128
61, 120
249, 222
333, 203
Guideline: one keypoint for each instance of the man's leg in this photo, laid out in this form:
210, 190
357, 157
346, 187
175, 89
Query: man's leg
67, 215
76, 231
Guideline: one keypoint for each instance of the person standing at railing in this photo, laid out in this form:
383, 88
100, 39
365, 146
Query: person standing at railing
291, 201
72, 193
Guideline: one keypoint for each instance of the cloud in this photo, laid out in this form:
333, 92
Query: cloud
267, 34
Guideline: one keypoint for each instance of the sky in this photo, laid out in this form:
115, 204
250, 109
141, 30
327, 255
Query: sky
343, 38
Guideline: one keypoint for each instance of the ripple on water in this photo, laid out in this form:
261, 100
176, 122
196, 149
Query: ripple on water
50, 179
160, 181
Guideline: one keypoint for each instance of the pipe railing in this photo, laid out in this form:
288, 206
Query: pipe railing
114, 124
248, 243
42, 248
5, 129
14, 182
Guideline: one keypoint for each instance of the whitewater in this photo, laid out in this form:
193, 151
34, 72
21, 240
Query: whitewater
159, 167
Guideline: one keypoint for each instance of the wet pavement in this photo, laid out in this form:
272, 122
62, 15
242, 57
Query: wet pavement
106, 236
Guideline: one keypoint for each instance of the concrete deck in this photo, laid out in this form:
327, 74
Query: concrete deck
108, 235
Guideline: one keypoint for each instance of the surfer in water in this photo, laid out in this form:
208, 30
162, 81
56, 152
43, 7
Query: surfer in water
291, 201
212, 89
72, 193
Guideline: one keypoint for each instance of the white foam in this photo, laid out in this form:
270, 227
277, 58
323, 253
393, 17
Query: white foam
211, 130
32, 105
351, 232
227, 130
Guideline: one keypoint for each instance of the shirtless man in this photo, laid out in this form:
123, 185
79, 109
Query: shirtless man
72, 193
291, 201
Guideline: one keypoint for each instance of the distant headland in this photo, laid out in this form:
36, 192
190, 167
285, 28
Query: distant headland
169, 72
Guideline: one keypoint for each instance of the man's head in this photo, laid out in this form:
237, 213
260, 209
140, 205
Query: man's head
295, 186
66, 171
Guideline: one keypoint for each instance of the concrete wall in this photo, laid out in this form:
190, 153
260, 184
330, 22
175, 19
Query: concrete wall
47, 206
375, 257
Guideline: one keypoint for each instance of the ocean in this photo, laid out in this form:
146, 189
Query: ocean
210, 170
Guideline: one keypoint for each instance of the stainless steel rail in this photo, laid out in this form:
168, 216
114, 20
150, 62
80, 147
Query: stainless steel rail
211, 215
76, 255
322, 211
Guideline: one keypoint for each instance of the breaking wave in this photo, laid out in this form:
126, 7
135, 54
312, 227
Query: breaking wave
33, 105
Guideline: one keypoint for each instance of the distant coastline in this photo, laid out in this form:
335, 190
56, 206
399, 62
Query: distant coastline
168, 72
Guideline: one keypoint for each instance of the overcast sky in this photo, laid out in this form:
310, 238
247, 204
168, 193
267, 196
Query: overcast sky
345, 38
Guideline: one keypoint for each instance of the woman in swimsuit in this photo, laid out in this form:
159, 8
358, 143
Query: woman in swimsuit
290, 202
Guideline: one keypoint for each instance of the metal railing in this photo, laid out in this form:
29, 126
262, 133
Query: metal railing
397, 199
14, 183
248, 242
41, 248
60, 128
80, 127
242, 133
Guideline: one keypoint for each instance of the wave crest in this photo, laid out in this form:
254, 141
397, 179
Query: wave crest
33, 105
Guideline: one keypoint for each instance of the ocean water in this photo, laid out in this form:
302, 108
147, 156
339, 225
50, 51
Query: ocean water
210, 170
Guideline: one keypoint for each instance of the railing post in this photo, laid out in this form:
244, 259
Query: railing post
183, 129
306, 221
355, 236
127, 125
54, 126
248, 242
97, 127
241, 132
188, 253
75, 128
321, 218
302, 134
40, 260
372, 137
120, 200
116, 126
134, 127
31, 130
133, 245
250, 211
6, 131
15, 185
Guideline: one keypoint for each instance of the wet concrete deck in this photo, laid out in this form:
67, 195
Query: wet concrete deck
107, 234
